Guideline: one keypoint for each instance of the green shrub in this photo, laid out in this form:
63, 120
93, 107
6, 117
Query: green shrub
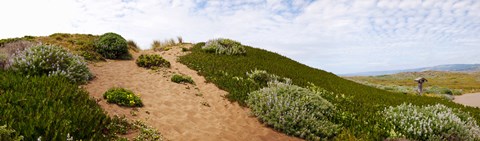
224, 46
182, 79
433, 122
9, 134
50, 108
112, 46
152, 61
122, 97
294, 110
51, 61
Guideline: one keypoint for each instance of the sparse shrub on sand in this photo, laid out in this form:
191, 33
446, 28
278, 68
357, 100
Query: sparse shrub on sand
51, 61
224, 46
431, 122
182, 79
122, 97
112, 46
294, 110
147, 133
152, 61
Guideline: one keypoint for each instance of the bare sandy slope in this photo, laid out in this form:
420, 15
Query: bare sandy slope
180, 112
472, 99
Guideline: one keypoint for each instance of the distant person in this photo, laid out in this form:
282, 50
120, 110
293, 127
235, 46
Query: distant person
420, 82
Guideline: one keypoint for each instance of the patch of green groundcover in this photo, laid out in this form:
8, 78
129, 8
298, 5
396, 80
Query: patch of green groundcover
49, 107
359, 115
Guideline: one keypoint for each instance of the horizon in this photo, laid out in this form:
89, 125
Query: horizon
339, 37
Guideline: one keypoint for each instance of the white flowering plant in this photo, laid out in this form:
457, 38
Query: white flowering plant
294, 110
224, 46
51, 61
432, 122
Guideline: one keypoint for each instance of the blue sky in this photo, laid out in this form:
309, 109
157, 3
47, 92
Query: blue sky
340, 36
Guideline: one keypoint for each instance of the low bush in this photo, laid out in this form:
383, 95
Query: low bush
152, 61
120, 125
182, 79
122, 97
433, 122
262, 77
224, 46
112, 46
294, 110
51, 61
50, 108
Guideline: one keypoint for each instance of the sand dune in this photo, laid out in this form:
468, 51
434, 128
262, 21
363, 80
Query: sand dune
178, 111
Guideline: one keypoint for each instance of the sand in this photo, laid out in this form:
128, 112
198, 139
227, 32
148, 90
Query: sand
181, 112
472, 99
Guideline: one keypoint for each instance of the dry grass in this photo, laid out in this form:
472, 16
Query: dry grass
468, 82
166, 44
133, 46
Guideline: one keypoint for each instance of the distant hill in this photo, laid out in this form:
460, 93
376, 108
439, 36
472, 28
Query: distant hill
449, 67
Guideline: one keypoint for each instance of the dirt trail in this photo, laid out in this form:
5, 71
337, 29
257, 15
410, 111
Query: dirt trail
180, 112
472, 99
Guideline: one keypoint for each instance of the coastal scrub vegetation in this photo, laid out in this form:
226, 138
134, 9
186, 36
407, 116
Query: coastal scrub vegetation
358, 106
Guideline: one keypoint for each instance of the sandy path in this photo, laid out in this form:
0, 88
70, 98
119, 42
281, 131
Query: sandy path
472, 99
178, 111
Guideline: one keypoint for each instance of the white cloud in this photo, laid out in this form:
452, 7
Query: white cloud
337, 35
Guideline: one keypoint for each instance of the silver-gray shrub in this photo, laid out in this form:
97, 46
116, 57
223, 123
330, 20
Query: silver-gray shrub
51, 61
432, 122
262, 77
224, 46
8, 49
294, 110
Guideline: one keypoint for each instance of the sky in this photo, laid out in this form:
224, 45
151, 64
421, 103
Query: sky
339, 36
